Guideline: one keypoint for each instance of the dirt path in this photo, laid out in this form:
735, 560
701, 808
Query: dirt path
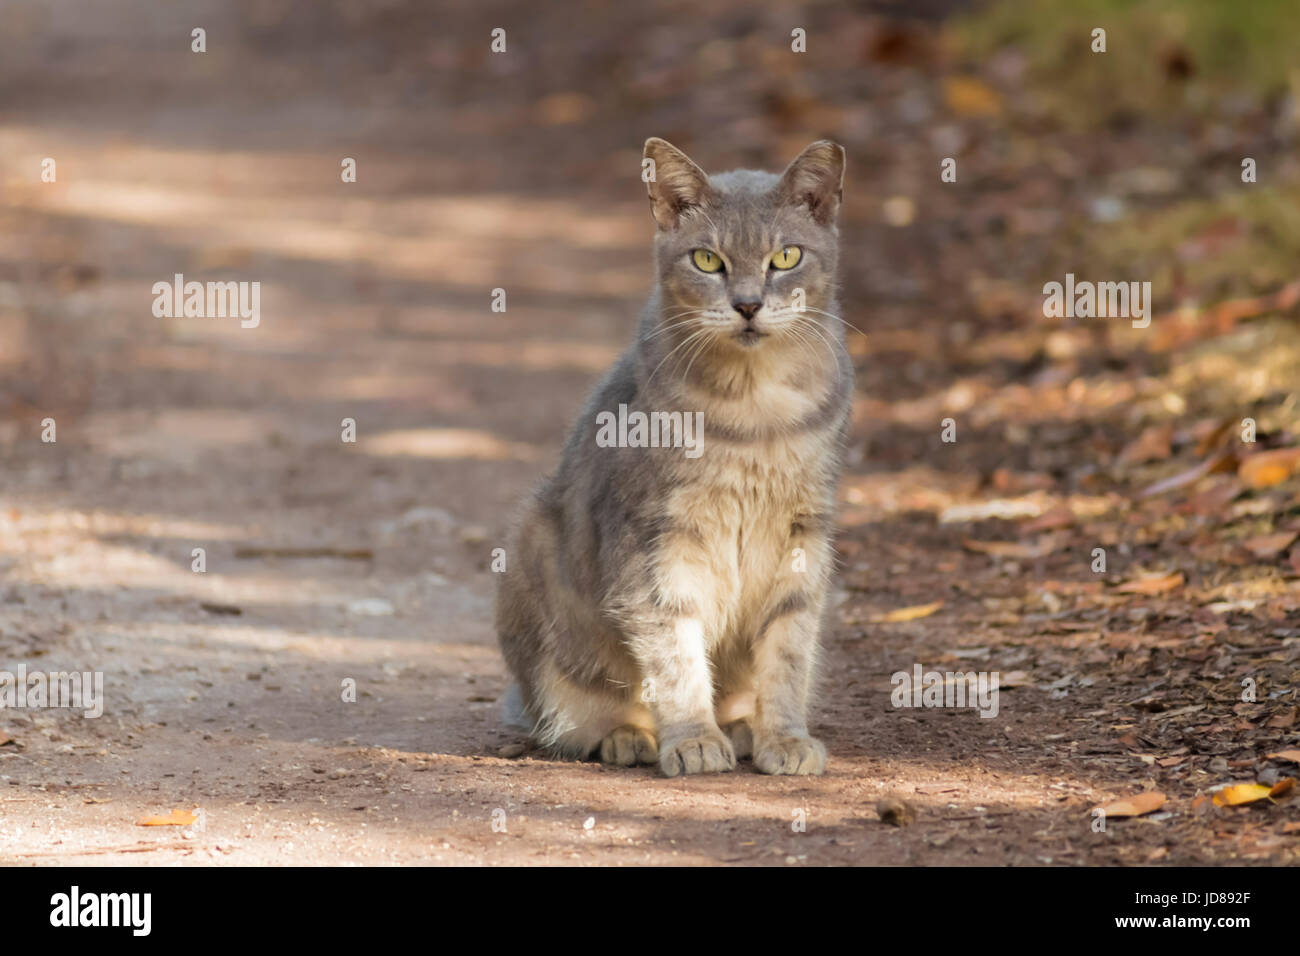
224, 689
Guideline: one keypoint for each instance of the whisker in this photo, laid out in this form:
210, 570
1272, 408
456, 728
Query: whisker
688, 338
668, 327
837, 318
811, 326
695, 353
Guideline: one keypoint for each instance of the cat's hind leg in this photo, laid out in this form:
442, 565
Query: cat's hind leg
580, 722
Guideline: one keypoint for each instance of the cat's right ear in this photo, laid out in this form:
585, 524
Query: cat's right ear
675, 183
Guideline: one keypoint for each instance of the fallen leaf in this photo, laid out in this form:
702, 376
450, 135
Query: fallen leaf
1013, 549
1267, 546
1282, 788
1292, 755
1283, 721
177, 818
1154, 444
1136, 806
1240, 793
1269, 468
1212, 433
1212, 500
969, 96
907, 613
1221, 461
1149, 586
1052, 520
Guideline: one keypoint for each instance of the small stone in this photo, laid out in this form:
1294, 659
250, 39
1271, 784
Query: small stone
510, 751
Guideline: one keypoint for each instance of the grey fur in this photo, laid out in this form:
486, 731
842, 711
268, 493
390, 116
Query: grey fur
651, 597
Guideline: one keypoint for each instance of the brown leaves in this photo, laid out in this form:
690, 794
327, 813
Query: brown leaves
1282, 789
1154, 444
1240, 793
1218, 462
1154, 585
1040, 548
1136, 806
1269, 546
1268, 468
177, 818
968, 96
904, 614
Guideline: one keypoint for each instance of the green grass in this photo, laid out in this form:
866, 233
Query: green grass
1246, 48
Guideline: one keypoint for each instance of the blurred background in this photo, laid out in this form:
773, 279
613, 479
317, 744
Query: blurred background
520, 171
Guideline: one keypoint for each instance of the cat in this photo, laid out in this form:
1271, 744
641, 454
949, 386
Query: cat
664, 608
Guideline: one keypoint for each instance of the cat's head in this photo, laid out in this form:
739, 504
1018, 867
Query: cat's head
746, 257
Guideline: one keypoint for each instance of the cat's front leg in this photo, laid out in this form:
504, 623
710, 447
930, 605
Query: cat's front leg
674, 660
784, 658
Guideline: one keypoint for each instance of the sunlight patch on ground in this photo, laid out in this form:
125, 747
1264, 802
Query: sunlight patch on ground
453, 443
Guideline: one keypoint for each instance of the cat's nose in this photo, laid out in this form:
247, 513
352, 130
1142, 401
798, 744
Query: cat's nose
747, 309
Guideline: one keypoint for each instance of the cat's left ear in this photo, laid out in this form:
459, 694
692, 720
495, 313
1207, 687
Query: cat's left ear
816, 179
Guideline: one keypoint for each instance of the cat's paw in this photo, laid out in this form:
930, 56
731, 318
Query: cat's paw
794, 755
628, 746
706, 752
742, 738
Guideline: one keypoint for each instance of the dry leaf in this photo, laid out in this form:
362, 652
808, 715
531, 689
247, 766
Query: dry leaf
1052, 520
907, 613
1221, 461
1282, 788
1291, 755
1269, 468
1135, 806
1154, 444
971, 97
1267, 546
1239, 793
177, 818
1014, 549
1283, 721
1151, 586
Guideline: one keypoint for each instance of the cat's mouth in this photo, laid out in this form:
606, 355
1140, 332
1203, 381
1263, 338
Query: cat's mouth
749, 336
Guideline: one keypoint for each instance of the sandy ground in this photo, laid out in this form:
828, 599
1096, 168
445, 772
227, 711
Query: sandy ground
224, 689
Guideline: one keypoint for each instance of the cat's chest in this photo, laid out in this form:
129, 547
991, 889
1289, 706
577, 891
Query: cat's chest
753, 491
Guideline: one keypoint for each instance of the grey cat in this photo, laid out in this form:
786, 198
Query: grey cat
663, 607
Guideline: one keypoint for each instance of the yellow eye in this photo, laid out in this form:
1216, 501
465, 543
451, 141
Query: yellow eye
787, 258
706, 261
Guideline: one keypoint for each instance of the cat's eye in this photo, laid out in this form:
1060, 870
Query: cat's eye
706, 261
787, 258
